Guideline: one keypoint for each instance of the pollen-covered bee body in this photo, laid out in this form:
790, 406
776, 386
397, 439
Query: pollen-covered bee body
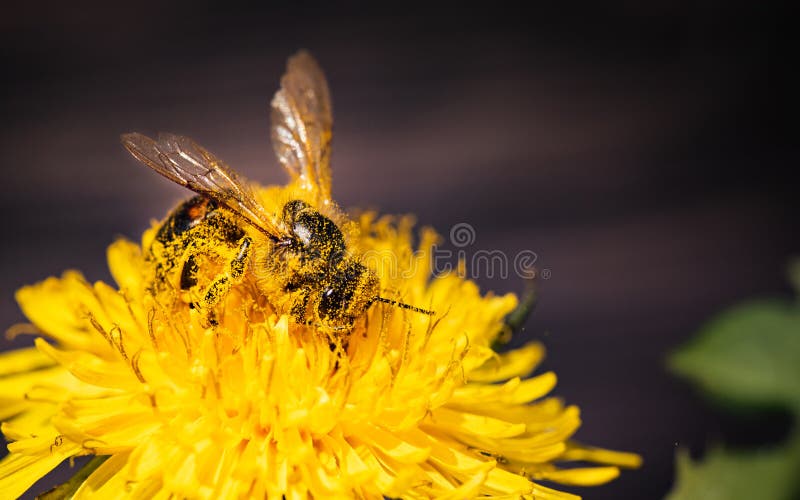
190, 214
203, 248
199, 233
294, 254
315, 239
327, 285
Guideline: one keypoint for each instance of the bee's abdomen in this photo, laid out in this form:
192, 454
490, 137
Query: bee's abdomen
190, 214
197, 227
186, 216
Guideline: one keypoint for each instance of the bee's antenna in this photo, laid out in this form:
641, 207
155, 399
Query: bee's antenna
404, 306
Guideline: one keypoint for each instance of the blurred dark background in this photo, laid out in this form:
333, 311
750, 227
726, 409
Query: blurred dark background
646, 153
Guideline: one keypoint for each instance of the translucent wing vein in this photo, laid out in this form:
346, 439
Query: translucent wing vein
302, 123
185, 162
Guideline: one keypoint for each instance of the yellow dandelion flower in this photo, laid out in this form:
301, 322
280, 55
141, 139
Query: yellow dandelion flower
231, 393
258, 406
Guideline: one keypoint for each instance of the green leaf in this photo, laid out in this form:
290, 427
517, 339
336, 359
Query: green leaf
749, 355
794, 274
732, 475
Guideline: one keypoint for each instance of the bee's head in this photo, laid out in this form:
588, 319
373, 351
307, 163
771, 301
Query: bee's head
347, 295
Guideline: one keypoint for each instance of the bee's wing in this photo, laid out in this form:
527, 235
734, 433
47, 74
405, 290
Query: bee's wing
185, 162
302, 123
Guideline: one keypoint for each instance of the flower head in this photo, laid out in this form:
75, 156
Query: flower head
258, 405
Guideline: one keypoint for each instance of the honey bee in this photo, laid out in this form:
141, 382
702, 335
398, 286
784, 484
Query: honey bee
303, 256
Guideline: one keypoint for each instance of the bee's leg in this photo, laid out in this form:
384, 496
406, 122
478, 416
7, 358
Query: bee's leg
300, 308
189, 273
222, 283
189, 277
239, 263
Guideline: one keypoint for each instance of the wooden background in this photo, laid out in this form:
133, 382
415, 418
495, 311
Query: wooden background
647, 155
